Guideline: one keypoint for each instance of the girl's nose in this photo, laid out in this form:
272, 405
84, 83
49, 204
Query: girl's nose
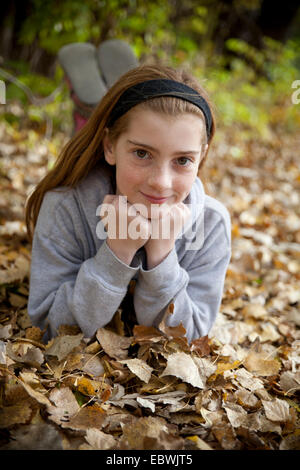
160, 179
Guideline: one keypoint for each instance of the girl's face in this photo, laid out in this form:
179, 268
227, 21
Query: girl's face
157, 157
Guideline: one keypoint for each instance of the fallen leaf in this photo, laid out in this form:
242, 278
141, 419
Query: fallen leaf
254, 310
246, 398
259, 364
85, 386
61, 346
25, 353
147, 334
290, 381
236, 414
258, 422
146, 403
291, 442
92, 365
87, 417
181, 365
276, 410
149, 433
2, 352
139, 368
41, 436
245, 379
99, 440
201, 346
14, 414
200, 444
114, 345
6, 331
64, 406
226, 436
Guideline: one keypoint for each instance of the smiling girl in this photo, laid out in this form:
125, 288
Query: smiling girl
139, 154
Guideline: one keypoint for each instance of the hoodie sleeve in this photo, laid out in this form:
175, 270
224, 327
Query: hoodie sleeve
196, 290
65, 288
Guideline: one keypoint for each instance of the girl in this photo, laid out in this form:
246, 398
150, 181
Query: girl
137, 158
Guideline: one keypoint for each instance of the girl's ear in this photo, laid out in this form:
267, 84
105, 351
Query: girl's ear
109, 154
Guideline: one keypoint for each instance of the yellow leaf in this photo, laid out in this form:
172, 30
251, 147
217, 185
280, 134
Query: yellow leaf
235, 231
192, 438
222, 367
260, 364
85, 386
201, 445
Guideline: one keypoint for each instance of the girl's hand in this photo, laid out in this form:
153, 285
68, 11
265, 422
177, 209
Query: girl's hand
124, 237
164, 230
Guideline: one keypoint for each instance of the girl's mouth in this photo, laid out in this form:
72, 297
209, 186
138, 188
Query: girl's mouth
155, 200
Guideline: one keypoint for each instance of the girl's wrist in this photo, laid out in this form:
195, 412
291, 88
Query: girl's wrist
126, 257
156, 256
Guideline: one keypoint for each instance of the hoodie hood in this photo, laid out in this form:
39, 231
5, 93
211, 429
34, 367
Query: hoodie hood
193, 229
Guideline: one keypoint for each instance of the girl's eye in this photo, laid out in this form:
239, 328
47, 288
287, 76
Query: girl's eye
141, 153
186, 161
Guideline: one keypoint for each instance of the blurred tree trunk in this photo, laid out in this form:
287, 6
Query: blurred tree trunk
236, 20
13, 14
275, 18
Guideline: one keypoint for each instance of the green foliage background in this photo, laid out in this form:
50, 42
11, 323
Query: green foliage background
251, 88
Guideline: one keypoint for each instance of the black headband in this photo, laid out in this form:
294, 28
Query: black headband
162, 87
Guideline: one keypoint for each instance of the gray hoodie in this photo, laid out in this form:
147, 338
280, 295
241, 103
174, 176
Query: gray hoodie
76, 279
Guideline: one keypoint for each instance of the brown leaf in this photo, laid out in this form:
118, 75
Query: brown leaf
276, 410
181, 365
139, 368
259, 364
246, 398
114, 345
258, 422
38, 396
291, 442
99, 440
201, 346
35, 436
15, 272
150, 433
17, 300
225, 435
6, 331
35, 333
25, 353
61, 346
144, 333
68, 330
14, 414
92, 365
2, 352
171, 331
88, 417
236, 414
65, 406
290, 381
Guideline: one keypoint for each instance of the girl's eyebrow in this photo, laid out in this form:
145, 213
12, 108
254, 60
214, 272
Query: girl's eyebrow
179, 152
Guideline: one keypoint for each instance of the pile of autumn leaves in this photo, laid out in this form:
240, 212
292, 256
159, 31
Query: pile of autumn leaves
149, 390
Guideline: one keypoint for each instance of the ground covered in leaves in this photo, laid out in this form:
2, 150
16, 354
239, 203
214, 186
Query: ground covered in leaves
236, 389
